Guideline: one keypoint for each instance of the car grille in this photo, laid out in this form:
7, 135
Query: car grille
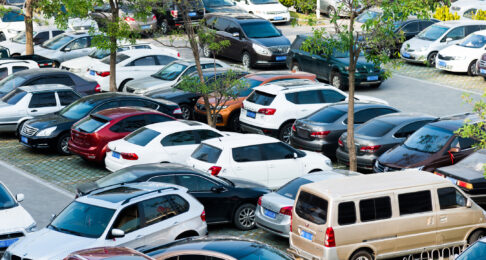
276, 12
445, 57
279, 49
383, 168
28, 130
201, 107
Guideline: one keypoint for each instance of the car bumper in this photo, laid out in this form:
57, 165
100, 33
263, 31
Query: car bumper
91, 154
365, 162
36, 142
453, 65
414, 57
280, 229
144, 27
258, 130
276, 18
329, 149
104, 82
221, 118
269, 61
296, 243
112, 164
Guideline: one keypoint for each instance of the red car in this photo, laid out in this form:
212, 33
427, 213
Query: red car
107, 253
90, 135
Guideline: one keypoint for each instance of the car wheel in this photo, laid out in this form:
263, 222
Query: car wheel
337, 80
285, 131
186, 111
122, 85
15, 55
62, 144
295, 66
244, 218
234, 122
2, 37
475, 236
19, 128
431, 59
55, 64
164, 27
362, 255
246, 60
206, 51
472, 70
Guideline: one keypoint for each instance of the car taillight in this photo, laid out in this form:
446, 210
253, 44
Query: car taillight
98, 88
214, 170
464, 184
259, 201
129, 19
174, 13
103, 73
330, 239
177, 111
320, 134
286, 210
267, 111
179, 54
291, 217
293, 128
242, 105
340, 143
203, 215
370, 149
129, 156
441, 175
154, 18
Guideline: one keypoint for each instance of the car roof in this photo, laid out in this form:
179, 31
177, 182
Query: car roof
343, 106
134, 53
291, 84
374, 183
401, 117
240, 140
45, 87
268, 75
120, 112
453, 23
8, 61
178, 125
158, 168
40, 71
327, 174
455, 122
192, 62
100, 97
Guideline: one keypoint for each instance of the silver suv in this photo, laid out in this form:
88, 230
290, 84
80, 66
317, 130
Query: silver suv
131, 215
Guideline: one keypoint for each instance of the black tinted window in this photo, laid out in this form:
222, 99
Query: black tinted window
410, 129
3, 73
207, 134
67, 97
19, 68
151, 119
277, 151
374, 209
425, 24
346, 213
164, 59
206, 153
326, 115
290, 189
141, 136
233, 28
64, 80
43, 100
129, 219
331, 96
415, 202
55, 33
450, 198
133, 103
164, 178
308, 97
261, 98
367, 114
311, 208
411, 27
89, 124
41, 37
472, 28
161, 208
180, 138
129, 124
249, 153
195, 183
374, 128
145, 61
111, 104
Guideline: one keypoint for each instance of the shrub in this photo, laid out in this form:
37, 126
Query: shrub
480, 15
305, 6
444, 14
287, 3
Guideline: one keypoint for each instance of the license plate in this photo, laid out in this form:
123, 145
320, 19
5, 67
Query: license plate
306, 235
280, 58
372, 78
452, 180
270, 213
145, 27
442, 64
24, 139
406, 55
92, 72
116, 155
191, 14
7, 243
250, 114
278, 18
482, 71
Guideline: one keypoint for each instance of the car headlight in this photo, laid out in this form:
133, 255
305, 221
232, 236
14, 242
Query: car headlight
261, 50
459, 57
221, 107
6, 255
347, 69
31, 228
329, 163
47, 131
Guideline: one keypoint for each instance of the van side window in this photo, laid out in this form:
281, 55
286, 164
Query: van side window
450, 198
346, 213
415, 202
374, 209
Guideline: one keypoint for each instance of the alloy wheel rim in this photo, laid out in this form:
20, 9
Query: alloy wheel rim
164, 27
286, 135
362, 258
474, 70
247, 217
64, 144
186, 114
432, 60
246, 61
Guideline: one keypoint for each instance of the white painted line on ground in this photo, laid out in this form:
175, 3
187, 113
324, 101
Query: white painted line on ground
437, 84
37, 179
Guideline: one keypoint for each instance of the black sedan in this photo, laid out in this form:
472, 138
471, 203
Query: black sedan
42, 61
54, 130
468, 174
376, 136
225, 200
48, 76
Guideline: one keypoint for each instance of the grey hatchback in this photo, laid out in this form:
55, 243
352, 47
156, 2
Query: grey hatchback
376, 136
321, 130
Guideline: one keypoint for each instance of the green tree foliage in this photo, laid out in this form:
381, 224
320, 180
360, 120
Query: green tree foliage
443, 13
305, 6
287, 3
480, 15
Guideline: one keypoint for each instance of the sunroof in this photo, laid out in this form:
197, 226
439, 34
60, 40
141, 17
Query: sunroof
117, 194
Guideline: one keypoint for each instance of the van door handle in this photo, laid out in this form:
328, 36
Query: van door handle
35, 110
443, 219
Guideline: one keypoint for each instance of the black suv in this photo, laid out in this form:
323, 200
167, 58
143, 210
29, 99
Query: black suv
254, 40
54, 130
169, 14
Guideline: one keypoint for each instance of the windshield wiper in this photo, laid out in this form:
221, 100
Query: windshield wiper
69, 231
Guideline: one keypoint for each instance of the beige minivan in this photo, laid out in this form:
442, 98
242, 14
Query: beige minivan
382, 215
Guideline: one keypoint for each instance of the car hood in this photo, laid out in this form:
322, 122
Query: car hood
14, 219
39, 50
45, 121
49, 244
81, 62
149, 83
272, 41
456, 50
403, 157
416, 43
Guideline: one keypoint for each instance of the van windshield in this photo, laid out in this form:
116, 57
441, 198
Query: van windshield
311, 208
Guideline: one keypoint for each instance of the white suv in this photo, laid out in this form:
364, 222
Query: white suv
258, 158
131, 215
272, 108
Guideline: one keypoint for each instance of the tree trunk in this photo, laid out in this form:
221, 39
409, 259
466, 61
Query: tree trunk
113, 43
352, 69
29, 28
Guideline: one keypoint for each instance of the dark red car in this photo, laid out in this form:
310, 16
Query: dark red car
90, 135
99, 253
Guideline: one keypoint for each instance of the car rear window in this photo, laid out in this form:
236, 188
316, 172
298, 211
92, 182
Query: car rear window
206, 153
261, 98
119, 58
90, 124
311, 208
326, 115
375, 128
142, 136
290, 189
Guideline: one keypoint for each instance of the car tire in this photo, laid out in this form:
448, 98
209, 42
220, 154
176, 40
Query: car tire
55, 64
246, 60
122, 85
164, 27
362, 255
285, 131
187, 111
2, 37
330, 11
234, 122
337, 80
475, 236
62, 144
472, 70
206, 51
244, 218
295, 66
431, 59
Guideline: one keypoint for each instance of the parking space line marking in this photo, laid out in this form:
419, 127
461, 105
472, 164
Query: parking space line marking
438, 84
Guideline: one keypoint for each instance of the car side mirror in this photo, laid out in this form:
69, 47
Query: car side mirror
53, 216
454, 150
468, 203
296, 156
236, 34
66, 50
448, 39
117, 233
217, 189
20, 197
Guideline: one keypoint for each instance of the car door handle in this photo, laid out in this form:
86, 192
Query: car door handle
443, 219
35, 110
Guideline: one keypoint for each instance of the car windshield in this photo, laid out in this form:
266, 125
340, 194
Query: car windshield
121, 176
20, 38
6, 200
248, 84
368, 15
10, 83
217, 3
263, 29
142, 136
99, 54
57, 42
428, 139
83, 220
170, 72
374, 128
474, 41
432, 33
263, 2
119, 58
14, 97
475, 251
12, 16
290, 189
77, 110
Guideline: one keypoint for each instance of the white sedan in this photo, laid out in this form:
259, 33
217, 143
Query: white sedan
171, 141
130, 65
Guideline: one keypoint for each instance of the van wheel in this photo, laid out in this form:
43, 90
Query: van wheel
362, 255
244, 218
475, 236
472, 70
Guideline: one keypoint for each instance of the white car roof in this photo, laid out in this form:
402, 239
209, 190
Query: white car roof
294, 85
12, 61
178, 125
482, 32
240, 140
136, 53
45, 87
455, 23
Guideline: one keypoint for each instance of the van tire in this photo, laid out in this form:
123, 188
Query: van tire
475, 236
362, 255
